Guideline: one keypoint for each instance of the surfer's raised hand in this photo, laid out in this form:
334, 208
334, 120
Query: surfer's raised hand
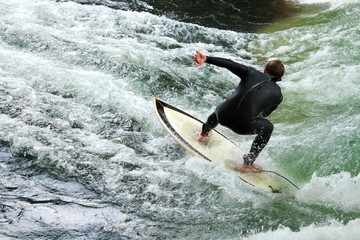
199, 58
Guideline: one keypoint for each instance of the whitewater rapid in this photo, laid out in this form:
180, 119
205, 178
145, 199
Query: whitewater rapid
83, 156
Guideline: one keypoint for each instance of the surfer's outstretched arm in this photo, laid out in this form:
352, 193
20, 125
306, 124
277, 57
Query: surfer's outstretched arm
238, 69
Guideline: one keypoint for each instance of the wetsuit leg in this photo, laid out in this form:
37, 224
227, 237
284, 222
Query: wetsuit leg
263, 128
211, 123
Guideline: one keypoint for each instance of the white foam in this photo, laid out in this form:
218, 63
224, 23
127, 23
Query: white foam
330, 231
216, 174
101, 56
333, 3
340, 191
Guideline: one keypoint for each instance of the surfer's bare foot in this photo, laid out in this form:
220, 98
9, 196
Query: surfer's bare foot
254, 168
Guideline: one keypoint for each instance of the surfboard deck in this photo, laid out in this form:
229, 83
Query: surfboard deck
184, 129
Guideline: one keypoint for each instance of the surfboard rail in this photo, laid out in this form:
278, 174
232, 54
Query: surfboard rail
160, 107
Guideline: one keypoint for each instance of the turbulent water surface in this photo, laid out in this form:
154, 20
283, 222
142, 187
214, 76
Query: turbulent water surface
82, 155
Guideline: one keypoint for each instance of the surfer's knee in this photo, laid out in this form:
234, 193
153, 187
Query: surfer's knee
269, 128
265, 127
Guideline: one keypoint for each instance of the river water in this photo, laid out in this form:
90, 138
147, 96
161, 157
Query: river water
82, 155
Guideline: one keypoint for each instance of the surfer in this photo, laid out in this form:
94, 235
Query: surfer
244, 111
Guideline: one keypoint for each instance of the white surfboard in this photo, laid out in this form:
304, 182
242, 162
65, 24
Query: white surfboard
185, 129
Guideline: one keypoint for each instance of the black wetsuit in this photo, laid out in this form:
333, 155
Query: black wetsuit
256, 96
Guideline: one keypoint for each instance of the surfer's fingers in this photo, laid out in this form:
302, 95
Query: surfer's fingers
198, 54
198, 61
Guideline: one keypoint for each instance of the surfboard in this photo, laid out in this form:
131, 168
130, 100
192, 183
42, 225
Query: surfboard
184, 129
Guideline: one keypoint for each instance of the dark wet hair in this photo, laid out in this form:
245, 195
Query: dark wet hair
275, 68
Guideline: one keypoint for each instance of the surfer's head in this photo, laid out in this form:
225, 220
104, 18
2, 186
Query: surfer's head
275, 68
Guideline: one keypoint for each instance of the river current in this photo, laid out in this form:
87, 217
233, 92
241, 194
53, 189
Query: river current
82, 155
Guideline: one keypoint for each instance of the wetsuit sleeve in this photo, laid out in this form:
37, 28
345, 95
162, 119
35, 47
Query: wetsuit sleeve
236, 68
